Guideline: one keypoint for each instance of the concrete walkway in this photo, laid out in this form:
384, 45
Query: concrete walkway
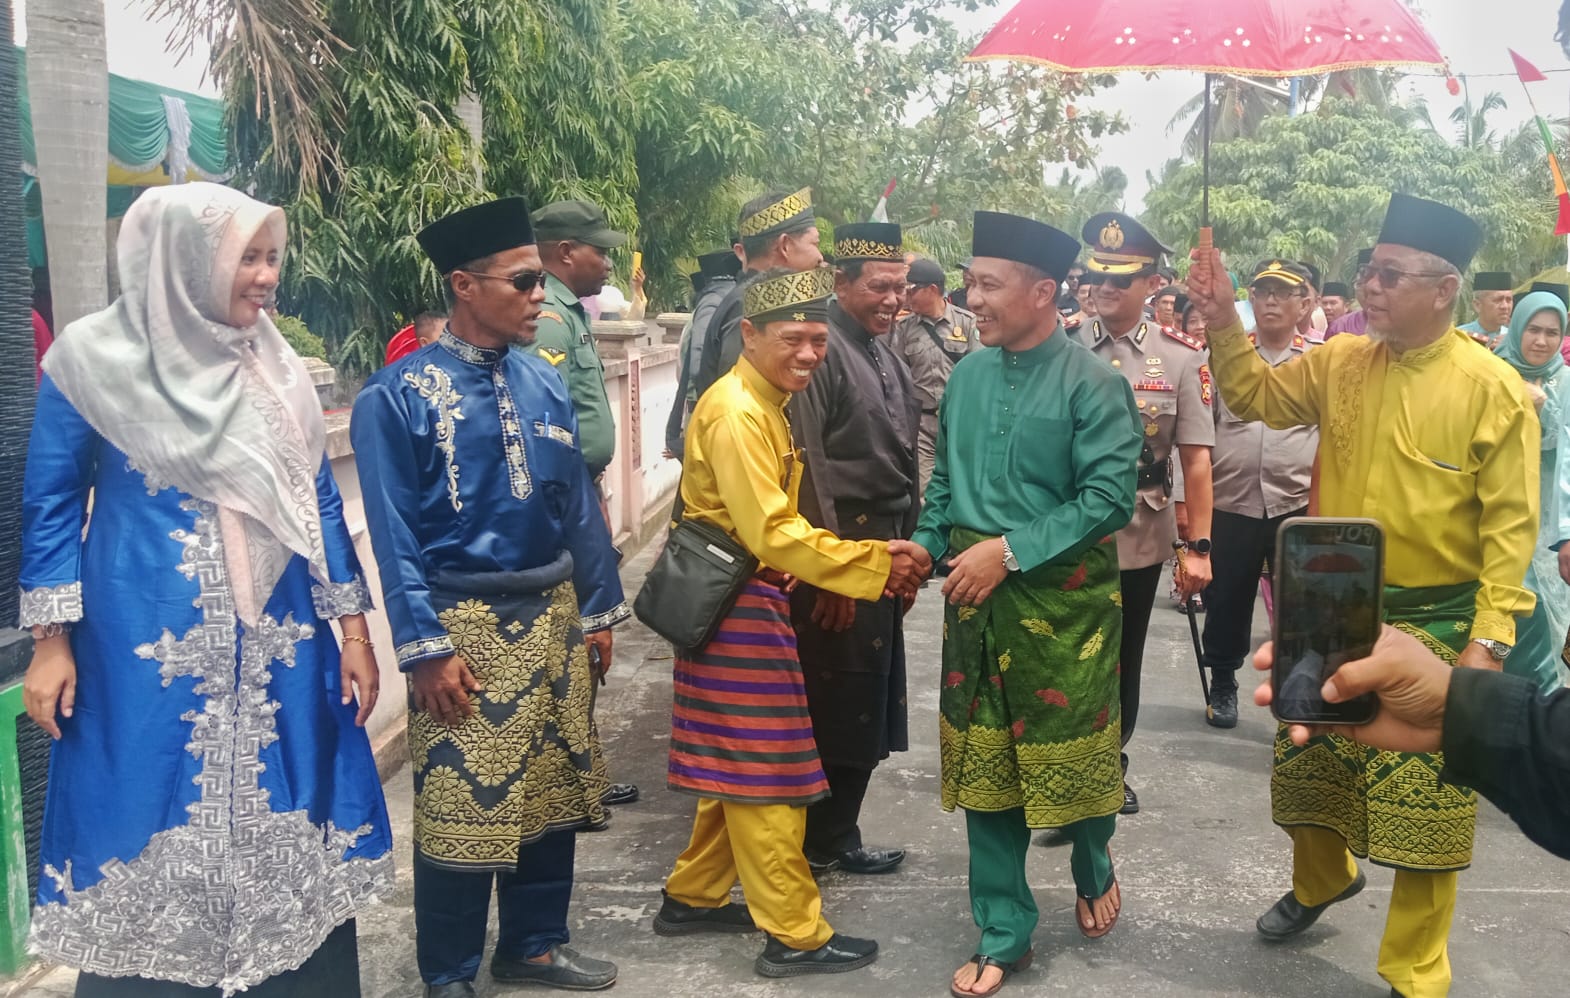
1197, 866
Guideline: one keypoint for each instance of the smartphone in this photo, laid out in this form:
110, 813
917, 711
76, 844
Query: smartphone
1329, 581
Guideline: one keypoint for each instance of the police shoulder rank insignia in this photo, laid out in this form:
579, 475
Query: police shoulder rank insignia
554, 357
1207, 389
1182, 337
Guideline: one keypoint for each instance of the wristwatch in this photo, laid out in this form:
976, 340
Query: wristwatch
1009, 561
1497, 650
1201, 546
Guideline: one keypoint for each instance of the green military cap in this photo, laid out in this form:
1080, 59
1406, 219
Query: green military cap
578, 221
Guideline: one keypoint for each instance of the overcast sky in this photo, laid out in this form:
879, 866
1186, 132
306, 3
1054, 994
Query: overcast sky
1474, 34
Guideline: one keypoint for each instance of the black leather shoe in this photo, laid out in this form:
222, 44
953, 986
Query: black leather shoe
1052, 838
456, 989
566, 969
1288, 916
1222, 712
858, 860
1130, 800
678, 919
840, 954
619, 794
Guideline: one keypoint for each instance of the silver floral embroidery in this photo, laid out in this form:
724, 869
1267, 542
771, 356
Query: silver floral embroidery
468, 352
46, 605
342, 599
411, 652
512, 438
610, 618
435, 386
240, 893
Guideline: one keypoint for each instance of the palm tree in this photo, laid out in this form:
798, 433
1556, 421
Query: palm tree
1472, 131
68, 87
1238, 105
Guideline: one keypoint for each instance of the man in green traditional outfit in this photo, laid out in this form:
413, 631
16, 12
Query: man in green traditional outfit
1038, 443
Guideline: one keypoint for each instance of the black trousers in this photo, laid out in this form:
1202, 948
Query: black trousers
1240, 545
1139, 597
833, 822
333, 971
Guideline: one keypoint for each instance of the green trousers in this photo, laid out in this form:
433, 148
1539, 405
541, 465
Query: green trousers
1000, 896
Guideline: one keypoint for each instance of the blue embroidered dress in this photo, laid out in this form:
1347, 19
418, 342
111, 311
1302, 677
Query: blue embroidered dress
213, 812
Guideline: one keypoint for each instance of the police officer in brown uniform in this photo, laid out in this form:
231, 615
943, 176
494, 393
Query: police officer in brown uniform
1173, 392
931, 340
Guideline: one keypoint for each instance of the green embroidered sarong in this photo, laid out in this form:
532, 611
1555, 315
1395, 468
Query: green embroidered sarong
1029, 712
1389, 806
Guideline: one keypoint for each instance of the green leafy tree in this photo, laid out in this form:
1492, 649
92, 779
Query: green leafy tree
1314, 187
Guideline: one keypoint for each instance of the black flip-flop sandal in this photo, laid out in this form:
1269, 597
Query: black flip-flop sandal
982, 963
1094, 933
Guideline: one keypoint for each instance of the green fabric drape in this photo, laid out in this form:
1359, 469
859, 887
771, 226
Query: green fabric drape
139, 125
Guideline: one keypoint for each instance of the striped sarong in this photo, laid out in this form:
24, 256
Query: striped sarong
739, 723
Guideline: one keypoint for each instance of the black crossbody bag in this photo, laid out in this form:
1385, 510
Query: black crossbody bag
694, 582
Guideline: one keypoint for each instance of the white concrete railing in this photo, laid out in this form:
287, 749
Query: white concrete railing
641, 372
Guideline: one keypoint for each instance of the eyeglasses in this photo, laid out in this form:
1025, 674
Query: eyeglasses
1275, 292
1389, 277
1120, 281
524, 281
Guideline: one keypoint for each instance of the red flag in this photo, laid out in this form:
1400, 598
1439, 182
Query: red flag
1528, 72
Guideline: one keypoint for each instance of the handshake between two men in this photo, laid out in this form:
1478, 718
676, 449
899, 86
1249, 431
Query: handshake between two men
973, 573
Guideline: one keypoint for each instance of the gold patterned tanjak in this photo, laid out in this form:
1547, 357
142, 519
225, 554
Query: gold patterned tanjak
776, 213
868, 249
775, 298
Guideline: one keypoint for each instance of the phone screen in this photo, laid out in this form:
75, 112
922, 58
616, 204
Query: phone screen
1329, 577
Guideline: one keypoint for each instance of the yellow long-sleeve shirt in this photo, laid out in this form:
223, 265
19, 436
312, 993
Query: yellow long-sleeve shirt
742, 473
1438, 444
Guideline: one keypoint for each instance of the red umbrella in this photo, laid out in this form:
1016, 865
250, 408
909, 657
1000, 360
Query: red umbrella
1249, 37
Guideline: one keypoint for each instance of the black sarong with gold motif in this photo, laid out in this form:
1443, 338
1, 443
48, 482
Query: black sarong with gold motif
527, 762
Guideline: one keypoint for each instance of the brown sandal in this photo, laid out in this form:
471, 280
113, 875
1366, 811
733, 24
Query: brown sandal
1087, 901
982, 963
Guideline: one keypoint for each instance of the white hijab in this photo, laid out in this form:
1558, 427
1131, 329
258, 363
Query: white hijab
225, 414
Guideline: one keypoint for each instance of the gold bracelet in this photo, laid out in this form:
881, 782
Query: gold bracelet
364, 641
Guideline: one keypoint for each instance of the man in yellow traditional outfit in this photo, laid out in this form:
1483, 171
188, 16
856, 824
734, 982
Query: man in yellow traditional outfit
1427, 433
741, 735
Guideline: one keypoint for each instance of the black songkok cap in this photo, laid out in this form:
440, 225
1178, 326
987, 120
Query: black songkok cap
1364, 256
869, 241
1024, 240
697, 279
1492, 280
1335, 289
1432, 228
476, 232
1561, 290
797, 297
722, 263
924, 272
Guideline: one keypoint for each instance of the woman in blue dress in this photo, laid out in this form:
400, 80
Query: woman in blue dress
1531, 346
213, 819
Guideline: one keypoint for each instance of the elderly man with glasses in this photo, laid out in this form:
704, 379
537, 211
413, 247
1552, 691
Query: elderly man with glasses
1172, 390
1433, 437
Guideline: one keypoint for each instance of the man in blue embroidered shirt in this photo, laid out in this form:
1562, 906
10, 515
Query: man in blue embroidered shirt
489, 537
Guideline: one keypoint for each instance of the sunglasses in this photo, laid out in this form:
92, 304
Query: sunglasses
1120, 281
524, 281
1389, 277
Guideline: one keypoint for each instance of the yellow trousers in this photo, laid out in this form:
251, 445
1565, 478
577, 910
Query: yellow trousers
1414, 954
760, 844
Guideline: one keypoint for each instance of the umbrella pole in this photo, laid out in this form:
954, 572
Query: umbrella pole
1205, 235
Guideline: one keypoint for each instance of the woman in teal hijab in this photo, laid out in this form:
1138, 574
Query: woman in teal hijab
1537, 327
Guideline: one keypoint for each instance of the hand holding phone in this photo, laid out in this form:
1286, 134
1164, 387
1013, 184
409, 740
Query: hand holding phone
1328, 582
